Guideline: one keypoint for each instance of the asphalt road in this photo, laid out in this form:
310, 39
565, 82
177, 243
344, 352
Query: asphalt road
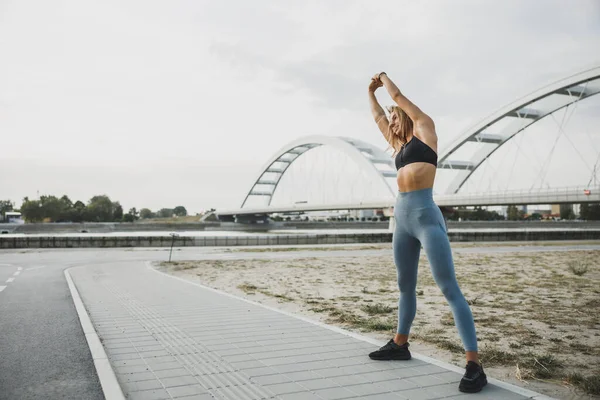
43, 352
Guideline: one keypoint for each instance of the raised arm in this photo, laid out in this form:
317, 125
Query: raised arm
418, 117
378, 113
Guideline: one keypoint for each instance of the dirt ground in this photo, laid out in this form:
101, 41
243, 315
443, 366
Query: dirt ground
537, 314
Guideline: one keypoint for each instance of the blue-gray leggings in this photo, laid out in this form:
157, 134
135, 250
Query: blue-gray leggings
420, 221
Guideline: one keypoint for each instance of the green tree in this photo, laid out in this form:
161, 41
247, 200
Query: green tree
131, 216
590, 211
165, 213
146, 213
52, 208
512, 213
566, 211
99, 209
78, 211
595, 211
535, 217
31, 210
479, 214
584, 211
117, 211
5, 206
133, 211
66, 209
180, 211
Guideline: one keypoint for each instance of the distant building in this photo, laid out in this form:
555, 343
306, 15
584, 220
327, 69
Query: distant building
541, 211
12, 217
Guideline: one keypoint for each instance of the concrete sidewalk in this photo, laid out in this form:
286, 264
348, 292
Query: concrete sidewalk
167, 338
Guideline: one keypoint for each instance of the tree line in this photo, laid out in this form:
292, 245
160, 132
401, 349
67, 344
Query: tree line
98, 209
587, 211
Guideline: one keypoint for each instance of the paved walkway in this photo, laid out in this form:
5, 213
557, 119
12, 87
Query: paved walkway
167, 338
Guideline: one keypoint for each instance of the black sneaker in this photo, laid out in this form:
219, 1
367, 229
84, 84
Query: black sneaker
391, 351
474, 378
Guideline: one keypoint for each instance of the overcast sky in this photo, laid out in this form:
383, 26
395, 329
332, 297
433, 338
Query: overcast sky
165, 103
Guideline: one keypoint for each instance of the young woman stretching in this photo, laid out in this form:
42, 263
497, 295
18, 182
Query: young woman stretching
419, 221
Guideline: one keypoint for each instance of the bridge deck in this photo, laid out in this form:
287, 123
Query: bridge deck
168, 338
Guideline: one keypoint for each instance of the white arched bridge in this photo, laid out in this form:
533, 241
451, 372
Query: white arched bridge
489, 135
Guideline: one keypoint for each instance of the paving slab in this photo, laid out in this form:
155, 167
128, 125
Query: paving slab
167, 338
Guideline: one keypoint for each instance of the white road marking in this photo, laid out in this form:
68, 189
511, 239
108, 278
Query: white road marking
17, 273
19, 268
108, 380
29, 269
9, 280
2, 288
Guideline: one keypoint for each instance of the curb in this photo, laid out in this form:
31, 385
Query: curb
530, 394
106, 375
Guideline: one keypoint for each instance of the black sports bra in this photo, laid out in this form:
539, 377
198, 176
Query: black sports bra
415, 151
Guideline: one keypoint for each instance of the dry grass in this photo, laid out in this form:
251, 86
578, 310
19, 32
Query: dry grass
578, 268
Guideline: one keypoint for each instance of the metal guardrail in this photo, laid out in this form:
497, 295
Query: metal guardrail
571, 189
573, 194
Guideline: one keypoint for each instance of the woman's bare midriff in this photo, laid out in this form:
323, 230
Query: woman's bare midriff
415, 176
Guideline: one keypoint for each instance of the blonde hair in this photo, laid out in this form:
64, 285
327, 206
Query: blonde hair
398, 130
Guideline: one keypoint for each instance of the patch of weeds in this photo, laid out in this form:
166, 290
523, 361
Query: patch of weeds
419, 293
436, 331
447, 319
322, 309
379, 325
530, 343
594, 303
383, 290
539, 366
513, 345
577, 268
276, 295
512, 290
374, 309
451, 346
349, 298
489, 320
492, 337
570, 337
367, 291
283, 297
585, 349
346, 317
247, 288
590, 384
178, 265
473, 301
430, 337
492, 356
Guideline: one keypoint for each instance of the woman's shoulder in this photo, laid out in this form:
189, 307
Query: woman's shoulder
424, 129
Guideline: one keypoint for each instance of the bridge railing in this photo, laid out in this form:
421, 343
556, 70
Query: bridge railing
557, 194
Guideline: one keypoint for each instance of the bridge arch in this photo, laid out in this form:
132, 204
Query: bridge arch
367, 156
516, 117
